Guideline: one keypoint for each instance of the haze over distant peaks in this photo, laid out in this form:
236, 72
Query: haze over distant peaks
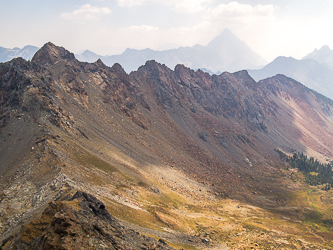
309, 72
226, 52
8, 54
324, 55
315, 70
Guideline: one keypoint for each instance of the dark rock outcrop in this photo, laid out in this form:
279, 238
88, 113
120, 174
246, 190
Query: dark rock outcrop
81, 222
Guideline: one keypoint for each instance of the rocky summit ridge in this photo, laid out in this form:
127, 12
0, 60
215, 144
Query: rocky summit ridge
49, 54
78, 223
180, 155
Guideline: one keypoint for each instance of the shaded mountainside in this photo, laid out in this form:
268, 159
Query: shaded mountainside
226, 52
173, 151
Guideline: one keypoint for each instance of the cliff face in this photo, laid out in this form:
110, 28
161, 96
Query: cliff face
67, 125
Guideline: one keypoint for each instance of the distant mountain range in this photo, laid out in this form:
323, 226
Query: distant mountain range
226, 52
8, 54
314, 71
323, 56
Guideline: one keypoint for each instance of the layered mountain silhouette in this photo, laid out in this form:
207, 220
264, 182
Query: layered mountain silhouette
8, 54
324, 56
226, 52
311, 73
178, 154
314, 70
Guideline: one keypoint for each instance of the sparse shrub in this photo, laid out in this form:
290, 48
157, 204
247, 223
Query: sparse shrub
203, 135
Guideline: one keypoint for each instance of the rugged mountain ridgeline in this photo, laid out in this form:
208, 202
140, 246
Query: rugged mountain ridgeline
314, 70
307, 71
27, 52
226, 52
180, 155
324, 55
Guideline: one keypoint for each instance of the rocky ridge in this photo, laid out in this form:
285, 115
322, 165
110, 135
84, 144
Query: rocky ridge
81, 222
138, 141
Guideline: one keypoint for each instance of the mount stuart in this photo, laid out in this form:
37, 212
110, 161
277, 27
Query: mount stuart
182, 159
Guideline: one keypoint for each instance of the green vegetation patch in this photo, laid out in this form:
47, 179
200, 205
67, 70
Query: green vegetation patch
134, 216
315, 173
88, 160
182, 246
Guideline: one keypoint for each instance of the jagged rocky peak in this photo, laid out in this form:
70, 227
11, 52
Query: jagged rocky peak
182, 68
19, 63
160, 74
100, 63
280, 82
118, 68
189, 77
153, 65
51, 53
244, 77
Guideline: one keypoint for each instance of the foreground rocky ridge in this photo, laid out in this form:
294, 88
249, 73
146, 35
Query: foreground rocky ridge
157, 144
81, 222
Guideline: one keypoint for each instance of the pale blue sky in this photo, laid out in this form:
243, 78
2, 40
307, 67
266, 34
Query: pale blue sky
271, 28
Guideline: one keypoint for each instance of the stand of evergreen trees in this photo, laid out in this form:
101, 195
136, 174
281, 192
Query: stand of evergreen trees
315, 173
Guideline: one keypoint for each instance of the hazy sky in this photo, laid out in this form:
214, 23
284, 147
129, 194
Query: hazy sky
270, 27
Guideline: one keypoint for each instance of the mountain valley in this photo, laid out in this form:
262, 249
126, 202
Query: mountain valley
180, 158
